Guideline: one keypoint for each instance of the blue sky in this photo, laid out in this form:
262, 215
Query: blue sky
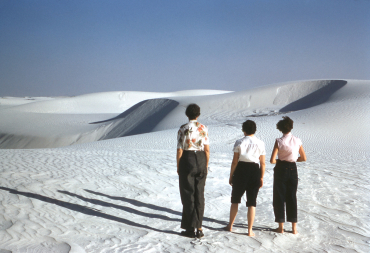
73, 47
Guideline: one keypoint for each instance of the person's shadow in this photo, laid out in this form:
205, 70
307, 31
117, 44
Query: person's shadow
91, 211
124, 208
94, 212
168, 210
139, 204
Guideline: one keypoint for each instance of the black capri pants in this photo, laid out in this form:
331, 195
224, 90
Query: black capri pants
285, 191
192, 179
246, 178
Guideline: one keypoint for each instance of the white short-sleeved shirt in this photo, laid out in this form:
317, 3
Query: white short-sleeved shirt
288, 146
250, 148
192, 136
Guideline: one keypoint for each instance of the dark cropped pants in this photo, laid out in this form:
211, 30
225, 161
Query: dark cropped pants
285, 191
246, 178
192, 179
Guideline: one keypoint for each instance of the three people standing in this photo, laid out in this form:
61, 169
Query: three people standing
246, 173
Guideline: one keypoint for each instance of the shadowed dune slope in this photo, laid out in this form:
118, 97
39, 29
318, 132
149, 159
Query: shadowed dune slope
139, 119
315, 98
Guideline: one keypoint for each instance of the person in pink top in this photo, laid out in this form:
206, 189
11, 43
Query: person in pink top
285, 186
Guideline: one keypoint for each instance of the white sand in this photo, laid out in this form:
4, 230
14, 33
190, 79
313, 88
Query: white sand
121, 194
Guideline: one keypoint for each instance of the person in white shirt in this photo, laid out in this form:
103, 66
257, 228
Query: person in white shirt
285, 186
192, 164
246, 173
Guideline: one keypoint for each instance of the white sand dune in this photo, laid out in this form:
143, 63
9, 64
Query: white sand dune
116, 188
65, 121
56, 122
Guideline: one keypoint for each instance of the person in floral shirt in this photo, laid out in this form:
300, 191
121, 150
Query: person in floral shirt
192, 164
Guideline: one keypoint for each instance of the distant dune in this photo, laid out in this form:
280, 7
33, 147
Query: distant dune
56, 122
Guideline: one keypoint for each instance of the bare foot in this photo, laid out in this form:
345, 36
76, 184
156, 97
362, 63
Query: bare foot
278, 230
295, 231
228, 228
251, 233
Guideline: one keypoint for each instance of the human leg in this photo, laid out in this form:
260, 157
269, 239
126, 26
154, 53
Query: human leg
279, 194
233, 213
199, 181
279, 190
238, 189
280, 229
187, 199
251, 214
291, 199
291, 195
199, 201
187, 190
253, 186
294, 228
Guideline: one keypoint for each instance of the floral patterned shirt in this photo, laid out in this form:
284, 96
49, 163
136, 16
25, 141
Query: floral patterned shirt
192, 136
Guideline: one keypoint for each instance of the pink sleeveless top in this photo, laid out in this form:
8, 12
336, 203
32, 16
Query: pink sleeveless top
288, 146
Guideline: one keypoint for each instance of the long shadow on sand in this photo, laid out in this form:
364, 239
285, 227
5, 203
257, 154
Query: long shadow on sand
85, 210
139, 204
168, 210
124, 208
155, 207
97, 213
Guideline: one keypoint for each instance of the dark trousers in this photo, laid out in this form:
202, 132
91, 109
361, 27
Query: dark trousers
192, 179
246, 178
285, 191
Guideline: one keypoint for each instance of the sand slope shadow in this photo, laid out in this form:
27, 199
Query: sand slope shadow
140, 118
315, 98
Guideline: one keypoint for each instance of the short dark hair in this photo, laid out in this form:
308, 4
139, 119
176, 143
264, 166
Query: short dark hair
249, 127
192, 111
285, 125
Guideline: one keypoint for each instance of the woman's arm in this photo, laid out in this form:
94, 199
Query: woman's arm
274, 153
262, 166
234, 163
206, 150
178, 156
302, 154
